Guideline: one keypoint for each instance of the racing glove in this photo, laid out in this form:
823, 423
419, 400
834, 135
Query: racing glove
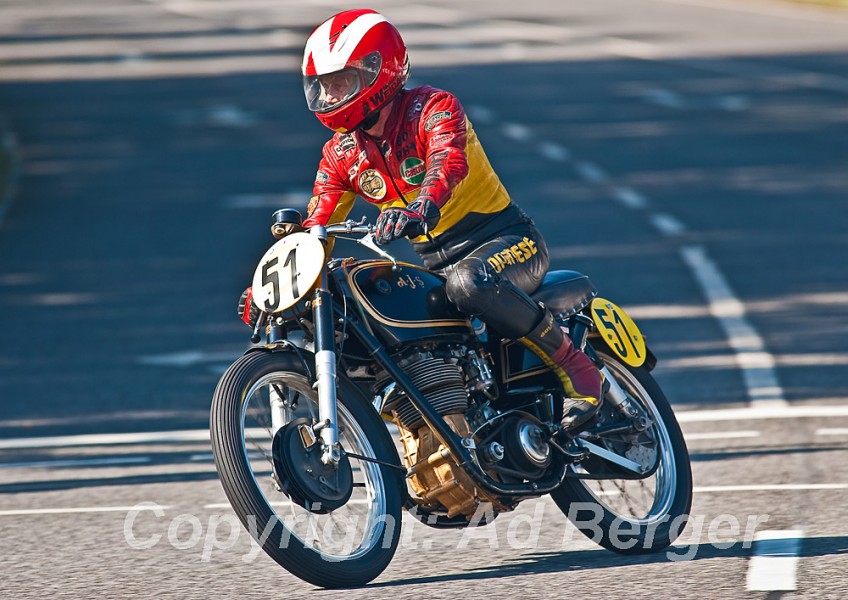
247, 310
416, 219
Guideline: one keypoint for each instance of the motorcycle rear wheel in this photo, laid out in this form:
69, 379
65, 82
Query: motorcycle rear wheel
348, 546
634, 516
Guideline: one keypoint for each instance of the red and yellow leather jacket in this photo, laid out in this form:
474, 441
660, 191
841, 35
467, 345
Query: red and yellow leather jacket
429, 150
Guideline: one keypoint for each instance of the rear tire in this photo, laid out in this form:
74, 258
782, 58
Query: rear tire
621, 527
241, 455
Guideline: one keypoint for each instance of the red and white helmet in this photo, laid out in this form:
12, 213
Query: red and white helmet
353, 64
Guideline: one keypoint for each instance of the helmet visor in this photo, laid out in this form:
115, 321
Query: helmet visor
331, 90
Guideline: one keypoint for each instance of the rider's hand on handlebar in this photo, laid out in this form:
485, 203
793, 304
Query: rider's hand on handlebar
413, 220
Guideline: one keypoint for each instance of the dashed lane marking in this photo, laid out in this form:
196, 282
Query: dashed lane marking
554, 152
630, 198
295, 199
82, 462
591, 173
832, 431
516, 132
69, 511
721, 435
774, 562
756, 364
771, 487
762, 412
667, 225
202, 435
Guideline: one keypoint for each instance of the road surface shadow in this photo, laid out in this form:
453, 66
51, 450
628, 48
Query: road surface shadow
593, 560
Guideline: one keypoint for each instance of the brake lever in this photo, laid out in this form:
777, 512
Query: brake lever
368, 242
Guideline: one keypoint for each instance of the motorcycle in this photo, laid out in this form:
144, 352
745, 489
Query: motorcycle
372, 395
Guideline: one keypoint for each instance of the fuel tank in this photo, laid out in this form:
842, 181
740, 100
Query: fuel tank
405, 305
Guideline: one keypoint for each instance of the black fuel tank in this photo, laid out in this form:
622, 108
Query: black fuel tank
405, 305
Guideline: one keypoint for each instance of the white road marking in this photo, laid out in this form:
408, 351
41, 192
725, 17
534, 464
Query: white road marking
81, 462
776, 487
295, 199
664, 98
219, 505
516, 132
721, 435
718, 361
667, 225
554, 152
228, 115
775, 561
591, 173
202, 435
757, 365
107, 439
832, 431
70, 511
481, 114
185, 436
630, 198
188, 358
134, 58
631, 48
734, 103
771, 9
762, 412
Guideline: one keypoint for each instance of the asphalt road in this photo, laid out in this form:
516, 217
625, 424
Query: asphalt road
690, 155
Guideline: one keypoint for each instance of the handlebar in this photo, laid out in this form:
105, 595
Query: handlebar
349, 227
367, 239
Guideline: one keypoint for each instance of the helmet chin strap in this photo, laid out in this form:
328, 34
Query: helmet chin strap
369, 121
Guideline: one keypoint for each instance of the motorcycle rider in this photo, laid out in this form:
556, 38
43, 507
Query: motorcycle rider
414, 153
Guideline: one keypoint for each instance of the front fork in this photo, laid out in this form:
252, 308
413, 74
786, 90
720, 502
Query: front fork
325, 374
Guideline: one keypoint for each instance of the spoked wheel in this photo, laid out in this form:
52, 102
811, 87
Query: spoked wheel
330, 527
637, 515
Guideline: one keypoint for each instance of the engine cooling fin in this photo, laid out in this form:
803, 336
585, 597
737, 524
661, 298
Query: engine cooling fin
440, 380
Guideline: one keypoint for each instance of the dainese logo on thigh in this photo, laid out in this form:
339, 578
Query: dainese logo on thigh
517, 253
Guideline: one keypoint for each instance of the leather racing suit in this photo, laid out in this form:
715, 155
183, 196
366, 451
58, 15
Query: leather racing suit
489, 251
430, 150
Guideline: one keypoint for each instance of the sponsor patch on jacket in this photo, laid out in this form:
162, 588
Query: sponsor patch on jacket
435, 118
441, 139
412, 170
321, 178
313, 204
346, 143
372, 184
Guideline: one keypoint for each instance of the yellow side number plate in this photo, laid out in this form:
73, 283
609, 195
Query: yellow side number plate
619, 332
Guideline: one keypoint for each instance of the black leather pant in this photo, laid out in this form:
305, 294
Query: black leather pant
493, 281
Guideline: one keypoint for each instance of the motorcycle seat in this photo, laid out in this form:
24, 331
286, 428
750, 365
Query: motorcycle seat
565, 293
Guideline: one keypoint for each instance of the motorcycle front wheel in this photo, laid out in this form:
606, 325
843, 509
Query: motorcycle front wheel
347, 546
625, 514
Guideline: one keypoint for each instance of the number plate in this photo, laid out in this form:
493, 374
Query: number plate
287, 272
619, 332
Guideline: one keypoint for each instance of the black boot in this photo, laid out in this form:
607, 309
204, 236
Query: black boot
580, 379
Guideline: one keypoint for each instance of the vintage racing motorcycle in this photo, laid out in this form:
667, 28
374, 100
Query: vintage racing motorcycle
372, 395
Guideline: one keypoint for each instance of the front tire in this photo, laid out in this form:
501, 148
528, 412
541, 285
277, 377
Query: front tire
634, 516
345, 547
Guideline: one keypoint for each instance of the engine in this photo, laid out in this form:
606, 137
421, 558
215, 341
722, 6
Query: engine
457, 381
434, 478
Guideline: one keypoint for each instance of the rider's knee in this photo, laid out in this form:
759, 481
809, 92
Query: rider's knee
470, 285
